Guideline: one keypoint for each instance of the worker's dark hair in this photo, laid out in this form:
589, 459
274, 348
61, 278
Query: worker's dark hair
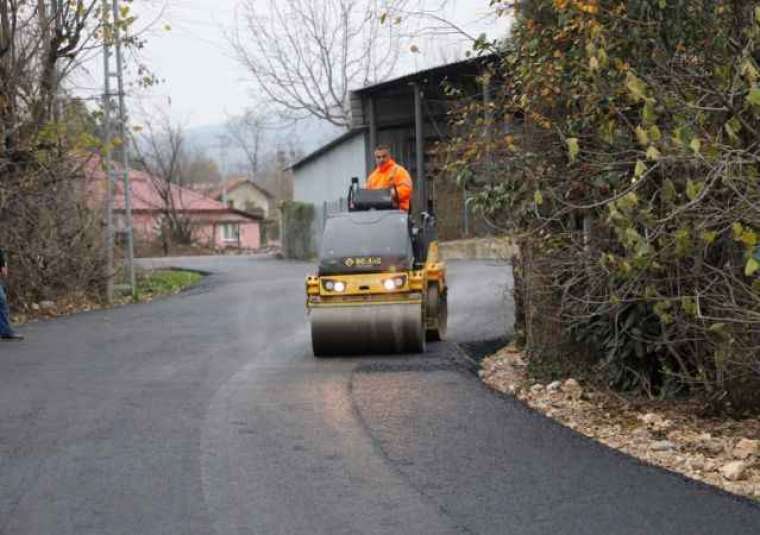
386, 148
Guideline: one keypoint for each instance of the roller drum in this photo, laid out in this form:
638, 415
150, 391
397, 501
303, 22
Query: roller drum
355, 330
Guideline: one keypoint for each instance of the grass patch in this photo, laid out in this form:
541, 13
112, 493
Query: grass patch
150, 284
164, 282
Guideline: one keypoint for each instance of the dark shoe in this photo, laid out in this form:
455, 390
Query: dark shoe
13, 336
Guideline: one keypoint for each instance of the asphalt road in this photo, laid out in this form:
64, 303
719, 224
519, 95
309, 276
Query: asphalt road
205, 413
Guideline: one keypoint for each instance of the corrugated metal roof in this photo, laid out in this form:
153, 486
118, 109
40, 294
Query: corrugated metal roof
441, 69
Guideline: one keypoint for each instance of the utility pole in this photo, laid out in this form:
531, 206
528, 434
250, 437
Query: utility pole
419, 138
124, 151
107, 154
111, 44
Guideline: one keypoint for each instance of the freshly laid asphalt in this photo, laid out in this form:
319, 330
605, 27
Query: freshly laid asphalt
205, 413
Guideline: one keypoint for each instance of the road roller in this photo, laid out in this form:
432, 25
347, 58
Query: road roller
381, 283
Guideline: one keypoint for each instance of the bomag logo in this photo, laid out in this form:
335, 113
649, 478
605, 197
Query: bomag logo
363, 261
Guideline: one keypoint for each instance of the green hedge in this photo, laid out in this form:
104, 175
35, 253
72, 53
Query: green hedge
297, 220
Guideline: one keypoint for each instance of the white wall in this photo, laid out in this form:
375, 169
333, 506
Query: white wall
246, 193
328, 176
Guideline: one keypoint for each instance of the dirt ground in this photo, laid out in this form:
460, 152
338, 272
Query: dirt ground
719, 451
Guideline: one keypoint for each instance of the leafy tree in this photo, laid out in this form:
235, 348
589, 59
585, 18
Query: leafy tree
628, 164
54, 237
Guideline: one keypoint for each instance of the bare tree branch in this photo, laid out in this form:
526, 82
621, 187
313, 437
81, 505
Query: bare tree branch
160, 152
305, 55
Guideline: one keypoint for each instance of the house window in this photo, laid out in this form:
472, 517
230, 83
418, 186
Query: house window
231, 232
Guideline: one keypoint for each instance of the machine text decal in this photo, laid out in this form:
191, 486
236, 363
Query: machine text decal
363, 261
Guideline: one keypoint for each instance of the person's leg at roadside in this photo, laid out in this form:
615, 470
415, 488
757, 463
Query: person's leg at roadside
6, 331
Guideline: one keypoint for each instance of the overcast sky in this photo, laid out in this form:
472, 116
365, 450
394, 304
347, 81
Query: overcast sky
204, 84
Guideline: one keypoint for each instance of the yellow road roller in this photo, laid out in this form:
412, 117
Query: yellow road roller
381, 284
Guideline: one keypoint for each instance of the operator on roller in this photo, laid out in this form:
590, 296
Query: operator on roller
389, 174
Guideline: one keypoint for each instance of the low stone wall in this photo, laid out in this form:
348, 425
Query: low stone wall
497, 248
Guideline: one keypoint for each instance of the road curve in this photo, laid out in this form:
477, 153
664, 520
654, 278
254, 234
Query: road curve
206, 413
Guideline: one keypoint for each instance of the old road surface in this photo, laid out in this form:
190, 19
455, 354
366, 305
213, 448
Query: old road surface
205, 413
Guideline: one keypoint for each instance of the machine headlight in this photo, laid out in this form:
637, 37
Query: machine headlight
394, 283
334, 286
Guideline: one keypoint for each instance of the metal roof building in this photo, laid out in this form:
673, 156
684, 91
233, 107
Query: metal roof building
409, 114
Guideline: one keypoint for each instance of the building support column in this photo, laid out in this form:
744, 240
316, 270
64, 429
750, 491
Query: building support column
372, 120
420, 189
487, 109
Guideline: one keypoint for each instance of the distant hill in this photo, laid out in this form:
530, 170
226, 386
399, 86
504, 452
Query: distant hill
303, 137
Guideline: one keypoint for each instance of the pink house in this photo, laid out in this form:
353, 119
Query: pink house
213, 224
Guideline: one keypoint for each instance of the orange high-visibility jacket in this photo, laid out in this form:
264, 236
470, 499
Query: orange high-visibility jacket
392, 174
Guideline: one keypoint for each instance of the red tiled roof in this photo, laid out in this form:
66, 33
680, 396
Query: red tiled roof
145, 194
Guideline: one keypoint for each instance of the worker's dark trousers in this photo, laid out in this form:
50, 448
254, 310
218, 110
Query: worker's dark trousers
5, 316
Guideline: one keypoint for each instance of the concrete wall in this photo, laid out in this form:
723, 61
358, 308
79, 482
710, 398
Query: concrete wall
326, 178
250, 235
144, 226
204, 235
495, 248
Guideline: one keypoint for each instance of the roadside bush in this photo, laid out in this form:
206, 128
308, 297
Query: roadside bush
54, 239
55, 242
628, 164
